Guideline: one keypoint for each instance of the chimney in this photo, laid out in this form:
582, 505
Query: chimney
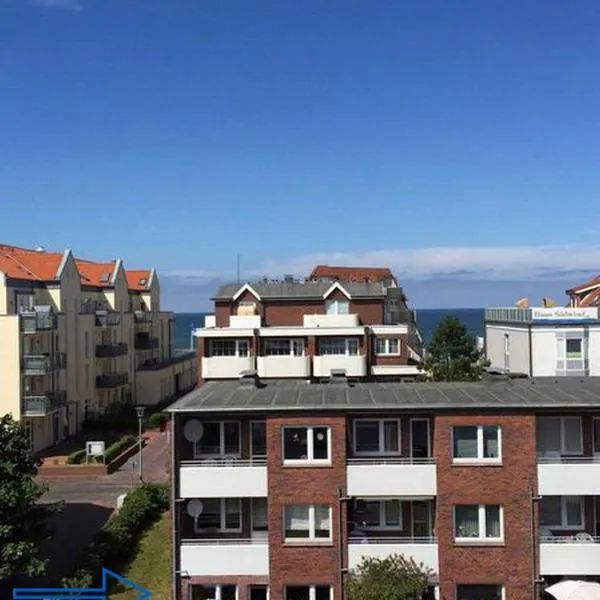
338, 376
249, 379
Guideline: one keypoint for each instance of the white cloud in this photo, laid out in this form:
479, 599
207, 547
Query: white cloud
70, 5
500, 263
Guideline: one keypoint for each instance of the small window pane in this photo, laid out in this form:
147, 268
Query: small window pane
232, 438
392, 513
479, 592
210, 442
259, 439
203, 592
322, 522
297, 592
490, 442
465, 442
550, 512
297, 347
572, 435
372, 513
228, 592
380, 346
210, 517
295, 444
548, 436
353, 347
259, 514
574, 516
492, 521
367, 436
243, 348
320, 444
393, 346
574, 348
390, 436
322, 592
232, 513
466, 521
296, 521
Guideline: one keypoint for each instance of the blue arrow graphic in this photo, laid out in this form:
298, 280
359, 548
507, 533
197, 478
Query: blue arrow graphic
85, 593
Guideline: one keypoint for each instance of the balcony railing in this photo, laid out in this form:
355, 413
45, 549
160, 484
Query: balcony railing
568, 460
390, 460
146, 343
111, 380
41, 364
142, 316
365, 538
225, 462
578, 538
107, 318
224, 541
34, 321
42, 405
111, 350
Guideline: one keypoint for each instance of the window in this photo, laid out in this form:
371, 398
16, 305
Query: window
387, 346
480, 592
379, 514
478, 522
258, 592
377, 436
239, 348
258, 439
276, 347
596, 436
337, 307
259, 514
574, 348
219, 515
308, 592
218, 439
306, 445
571, 353
561, 512
338, 346
304, 522
213, 592
558, 436
476, 444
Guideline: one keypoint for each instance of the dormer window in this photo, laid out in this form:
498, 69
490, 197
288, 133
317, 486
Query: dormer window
337, 307
246, 308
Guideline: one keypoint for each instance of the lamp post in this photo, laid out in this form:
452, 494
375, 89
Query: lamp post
139, 410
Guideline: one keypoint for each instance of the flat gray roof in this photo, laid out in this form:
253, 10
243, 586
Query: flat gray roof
275, 395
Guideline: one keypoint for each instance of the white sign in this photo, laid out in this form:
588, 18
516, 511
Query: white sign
559, 313
95, 448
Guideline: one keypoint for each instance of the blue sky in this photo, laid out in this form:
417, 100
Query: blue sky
457, 142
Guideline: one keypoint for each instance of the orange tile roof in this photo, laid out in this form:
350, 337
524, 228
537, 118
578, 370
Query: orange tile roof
592, 299
588, 284
32, 266
135, 278
354, 274
95, 274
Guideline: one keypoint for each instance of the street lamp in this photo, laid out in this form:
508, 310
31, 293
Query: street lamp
139, 411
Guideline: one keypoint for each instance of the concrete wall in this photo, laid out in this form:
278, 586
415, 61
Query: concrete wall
518, 340
10, 367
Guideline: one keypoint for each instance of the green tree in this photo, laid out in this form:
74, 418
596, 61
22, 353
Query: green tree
22, 518
394, 577
452, 354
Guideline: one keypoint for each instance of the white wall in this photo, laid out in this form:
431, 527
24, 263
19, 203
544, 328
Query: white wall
283, 366
225, 559
543, 347
421, 553
391, 480
197, 481
594, 351
518, 346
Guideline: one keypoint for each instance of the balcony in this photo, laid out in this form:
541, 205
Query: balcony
42, 364
283, 366
111, 350
142, 316
244, 321
355, 366
37, 321
224, 557
570, 555
144, 342
40, 406
226, 367
578, 476
375, 476
105, 318
331, 321
111, 380
223, 478
423, 550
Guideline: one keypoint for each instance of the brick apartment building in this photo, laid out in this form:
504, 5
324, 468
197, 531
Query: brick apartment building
280, 486
344, 319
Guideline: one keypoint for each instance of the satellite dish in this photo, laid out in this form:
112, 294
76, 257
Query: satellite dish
195, 508
193, 430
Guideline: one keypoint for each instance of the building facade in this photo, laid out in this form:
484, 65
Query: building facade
281, 487
544, 341
79, 337
306, 329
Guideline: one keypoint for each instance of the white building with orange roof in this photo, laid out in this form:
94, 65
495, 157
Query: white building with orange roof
79, 337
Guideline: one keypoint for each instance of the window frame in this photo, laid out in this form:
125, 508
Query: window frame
481, 538
498, 585
290, 342
386, 343
312, 593
336, 304
325, 340
563, 437
480, 458
223, 516
222, 453
311, 538
380, 452
309, 460
564, 526
237, 341
218, 589
382, 503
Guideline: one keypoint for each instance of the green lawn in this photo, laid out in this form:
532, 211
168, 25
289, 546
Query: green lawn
151, 567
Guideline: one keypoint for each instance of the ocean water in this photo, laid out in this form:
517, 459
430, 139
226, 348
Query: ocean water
427, 320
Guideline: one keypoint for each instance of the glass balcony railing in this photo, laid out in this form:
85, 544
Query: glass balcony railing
111, 350
44, 404
32, 364
107, 318
34, 321
142, 316
111, 380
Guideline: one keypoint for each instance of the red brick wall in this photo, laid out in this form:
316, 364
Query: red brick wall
304, 565
510, 485
223, 310
401, 359
285, 312
370, 312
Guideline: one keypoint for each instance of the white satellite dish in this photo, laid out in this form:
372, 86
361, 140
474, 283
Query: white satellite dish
193, 430
195, 508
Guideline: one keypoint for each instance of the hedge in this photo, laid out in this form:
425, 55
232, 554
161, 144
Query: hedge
119, 446
77, 457
116, 540
156, 420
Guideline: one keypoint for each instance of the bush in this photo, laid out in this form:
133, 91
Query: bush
117, 538
156, 420
77, 457
119, 446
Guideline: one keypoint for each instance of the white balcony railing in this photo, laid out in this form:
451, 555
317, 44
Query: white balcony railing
225, 557
330, 320
580, 476
223, 478
423, 550
226, 367
244, 321
391, 476
572, 555
355, 366
283, 366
